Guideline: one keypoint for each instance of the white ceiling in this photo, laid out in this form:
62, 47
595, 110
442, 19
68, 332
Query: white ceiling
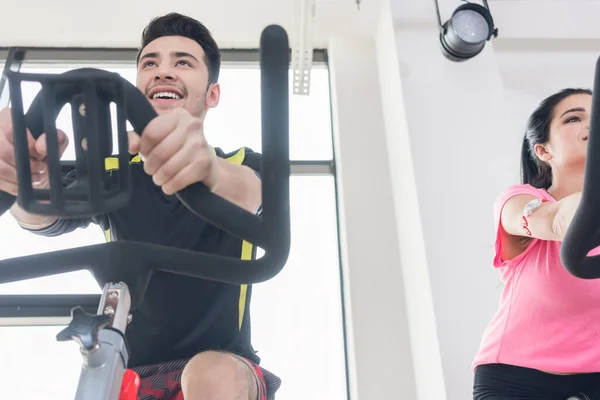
238, 23
515, 19
549, 19
118, 23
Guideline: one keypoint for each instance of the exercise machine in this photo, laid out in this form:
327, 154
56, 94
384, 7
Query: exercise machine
583, 234
123, 268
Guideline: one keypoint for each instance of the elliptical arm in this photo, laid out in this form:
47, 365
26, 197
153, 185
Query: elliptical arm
271, 232
583, 234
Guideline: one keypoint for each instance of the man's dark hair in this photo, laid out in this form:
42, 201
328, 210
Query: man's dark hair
175, 24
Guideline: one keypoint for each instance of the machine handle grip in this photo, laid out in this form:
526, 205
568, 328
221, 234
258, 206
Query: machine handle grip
583, 234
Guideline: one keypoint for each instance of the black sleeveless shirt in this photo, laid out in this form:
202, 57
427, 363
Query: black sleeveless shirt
179, 316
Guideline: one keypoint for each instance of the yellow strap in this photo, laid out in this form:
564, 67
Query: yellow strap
238, 158
112, 163
246, 255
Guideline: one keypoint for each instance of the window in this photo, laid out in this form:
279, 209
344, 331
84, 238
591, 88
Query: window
296, 317
237, 118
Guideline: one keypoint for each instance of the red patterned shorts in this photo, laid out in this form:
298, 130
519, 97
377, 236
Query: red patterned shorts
163, 381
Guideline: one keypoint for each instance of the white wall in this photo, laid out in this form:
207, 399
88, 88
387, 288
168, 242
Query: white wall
453, 134
417, 289
534, 69
380, 356
459, 123
452, 147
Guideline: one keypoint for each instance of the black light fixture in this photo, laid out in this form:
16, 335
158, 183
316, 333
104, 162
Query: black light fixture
464, 35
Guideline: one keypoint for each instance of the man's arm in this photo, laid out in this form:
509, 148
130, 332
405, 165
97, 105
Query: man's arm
239, 184
31, 221
176, 154
47, 225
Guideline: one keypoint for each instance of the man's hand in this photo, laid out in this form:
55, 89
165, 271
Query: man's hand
37, 164
37, 151
176, 153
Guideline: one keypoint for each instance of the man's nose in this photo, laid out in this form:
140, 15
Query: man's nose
164, 74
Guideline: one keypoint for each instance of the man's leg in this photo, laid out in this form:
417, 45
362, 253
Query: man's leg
213, 375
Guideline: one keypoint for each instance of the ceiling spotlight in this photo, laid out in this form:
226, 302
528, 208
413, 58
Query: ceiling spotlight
464, 35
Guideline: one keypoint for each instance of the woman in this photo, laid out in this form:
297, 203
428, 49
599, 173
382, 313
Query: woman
544, 341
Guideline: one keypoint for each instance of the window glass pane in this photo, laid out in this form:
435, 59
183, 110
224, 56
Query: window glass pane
17, 242
237, 118
35, 366
236, 121
296, 317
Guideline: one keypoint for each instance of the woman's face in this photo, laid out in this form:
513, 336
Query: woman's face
569, 130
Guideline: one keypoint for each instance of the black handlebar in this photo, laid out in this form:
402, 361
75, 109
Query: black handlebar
89, 195
583, 234
90, 93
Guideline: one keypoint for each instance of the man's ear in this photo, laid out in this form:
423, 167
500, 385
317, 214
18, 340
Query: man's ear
213, 94
542, 152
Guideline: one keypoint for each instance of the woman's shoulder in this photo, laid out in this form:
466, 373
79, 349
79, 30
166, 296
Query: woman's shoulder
523, 189
517, 190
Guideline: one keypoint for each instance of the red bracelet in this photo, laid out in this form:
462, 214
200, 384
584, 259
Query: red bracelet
525, 225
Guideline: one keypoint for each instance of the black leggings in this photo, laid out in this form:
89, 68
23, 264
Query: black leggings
507, 382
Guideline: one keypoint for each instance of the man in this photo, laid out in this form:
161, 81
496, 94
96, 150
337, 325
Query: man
190, 338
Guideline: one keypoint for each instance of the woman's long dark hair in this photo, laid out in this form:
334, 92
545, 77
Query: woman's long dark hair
533, 170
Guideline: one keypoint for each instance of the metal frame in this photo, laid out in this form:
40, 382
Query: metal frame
302, 48
124, 55
50, 310
14, 60
297, 167
18, 310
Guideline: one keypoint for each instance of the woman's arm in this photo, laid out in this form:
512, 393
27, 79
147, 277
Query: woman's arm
549, 221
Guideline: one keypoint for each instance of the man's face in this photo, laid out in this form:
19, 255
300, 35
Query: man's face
172, 73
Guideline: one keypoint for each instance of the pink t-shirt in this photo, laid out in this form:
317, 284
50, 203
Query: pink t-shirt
547, 319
